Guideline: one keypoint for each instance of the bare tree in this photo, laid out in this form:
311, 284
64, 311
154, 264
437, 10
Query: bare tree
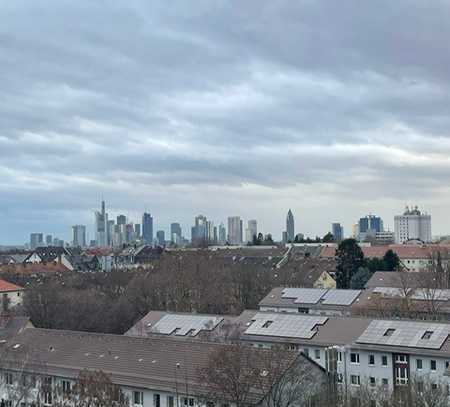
91, 389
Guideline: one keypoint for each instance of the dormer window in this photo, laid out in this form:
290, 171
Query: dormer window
427, 335
267, 324
389, 332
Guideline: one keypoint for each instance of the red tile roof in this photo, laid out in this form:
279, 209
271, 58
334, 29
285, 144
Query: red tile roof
5, 286
403, 251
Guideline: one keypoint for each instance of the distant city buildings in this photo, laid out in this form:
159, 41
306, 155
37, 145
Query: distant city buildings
79, 236
222, 235
147, 228
252, 231
101, 222
368, 226
161, 237
235, 235
290, 227
337, 231
175, 233
412, 225
36, 240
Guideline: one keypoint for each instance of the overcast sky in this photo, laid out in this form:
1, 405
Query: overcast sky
332, 108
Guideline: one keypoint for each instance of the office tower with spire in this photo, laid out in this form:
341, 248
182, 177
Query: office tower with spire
290, 227
101, 226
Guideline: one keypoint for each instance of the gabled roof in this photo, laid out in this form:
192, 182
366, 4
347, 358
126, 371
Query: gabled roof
150, 363
50, 253
398, 279
6, 286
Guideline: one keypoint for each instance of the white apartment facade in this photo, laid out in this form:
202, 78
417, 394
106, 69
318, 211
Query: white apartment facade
412, 225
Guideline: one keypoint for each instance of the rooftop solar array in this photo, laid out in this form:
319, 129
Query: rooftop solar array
181, 325
304, 295
431, 294
405, 333
285, 325
340, 297
324, 296
391, 291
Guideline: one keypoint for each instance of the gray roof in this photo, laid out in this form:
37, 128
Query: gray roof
398, 279
12, 325
148, 363
284, 297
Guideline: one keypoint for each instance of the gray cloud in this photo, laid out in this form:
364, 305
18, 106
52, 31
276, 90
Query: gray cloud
331, 108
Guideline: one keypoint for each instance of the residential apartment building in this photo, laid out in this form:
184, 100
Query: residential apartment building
11, 295
150, 372
378, 354
412, 225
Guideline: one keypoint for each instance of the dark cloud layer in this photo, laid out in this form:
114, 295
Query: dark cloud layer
333, 109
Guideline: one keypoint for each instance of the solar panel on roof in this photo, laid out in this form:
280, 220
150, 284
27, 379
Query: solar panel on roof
182, 325
431, 294
304, 295
409, 334
285, 325
391, 291
340, 297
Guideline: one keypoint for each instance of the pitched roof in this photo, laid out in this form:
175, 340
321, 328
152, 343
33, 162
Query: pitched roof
153, 363
404, 251
34, 268
6, 286
398, 279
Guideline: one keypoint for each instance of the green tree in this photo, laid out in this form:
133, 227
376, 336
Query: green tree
360, 278
391, 261
349, 259
375, 264
328, 238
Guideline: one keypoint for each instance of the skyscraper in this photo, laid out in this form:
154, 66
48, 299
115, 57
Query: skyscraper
222, 238
175, 233
137, 230
199, 232
101, 225
235, 230
290, 227
252, 230
412, 225
79, 236
121, 220
48, 240
161, 237
337, 231
369, 226
36, 240
147, 228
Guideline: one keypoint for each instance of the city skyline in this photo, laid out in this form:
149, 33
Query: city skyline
223, 110
204, 230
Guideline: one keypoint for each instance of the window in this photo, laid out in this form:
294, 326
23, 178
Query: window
447, 364
339, 356
170, 402
48, 398
372, 381
188, 401
434, 386
317, 354
340, 378
373, 403
384, 381
303, 310
9, 378
306, 351
419, 364
400, 358
8, 403
355, 380
389, 332
384, 361
427, 335
156, 400
354, 357
66, 386
432, 365
371, 360
138, 398
267, 324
